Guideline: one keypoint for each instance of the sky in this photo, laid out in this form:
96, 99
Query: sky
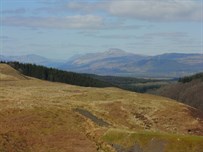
59, 29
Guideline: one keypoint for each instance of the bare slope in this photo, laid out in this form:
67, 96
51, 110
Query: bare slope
37, 116
8, 73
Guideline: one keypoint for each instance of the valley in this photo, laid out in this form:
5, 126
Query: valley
101, 76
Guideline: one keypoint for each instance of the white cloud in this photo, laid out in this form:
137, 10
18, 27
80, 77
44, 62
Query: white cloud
77, 21
149, 10
157, 10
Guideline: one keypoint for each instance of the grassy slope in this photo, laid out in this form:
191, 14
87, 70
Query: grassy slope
8, 74
36, 115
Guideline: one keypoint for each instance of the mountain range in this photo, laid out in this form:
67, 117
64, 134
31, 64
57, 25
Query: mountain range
33, 59
120, 63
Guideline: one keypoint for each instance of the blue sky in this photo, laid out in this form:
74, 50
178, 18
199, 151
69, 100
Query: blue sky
62, 28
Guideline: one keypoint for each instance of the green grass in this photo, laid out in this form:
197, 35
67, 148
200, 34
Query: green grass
146, 140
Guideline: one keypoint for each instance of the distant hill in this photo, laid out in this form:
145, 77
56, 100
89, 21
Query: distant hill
111, 62
189, 90
121, 63
33, 59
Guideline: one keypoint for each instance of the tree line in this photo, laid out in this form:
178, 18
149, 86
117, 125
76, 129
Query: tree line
190, 78
55, 75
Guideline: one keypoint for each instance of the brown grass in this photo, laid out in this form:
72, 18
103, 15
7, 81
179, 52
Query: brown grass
38, 115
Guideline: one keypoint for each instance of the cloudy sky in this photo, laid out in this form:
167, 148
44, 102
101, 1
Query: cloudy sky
62, 28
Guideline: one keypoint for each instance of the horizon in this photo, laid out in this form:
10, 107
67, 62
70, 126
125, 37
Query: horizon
60, 29
77, 55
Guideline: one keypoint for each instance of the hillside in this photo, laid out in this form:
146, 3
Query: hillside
188, 90
198, 76
9, 74
37, 115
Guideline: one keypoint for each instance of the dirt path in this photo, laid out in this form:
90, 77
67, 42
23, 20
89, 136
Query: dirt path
89, 115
